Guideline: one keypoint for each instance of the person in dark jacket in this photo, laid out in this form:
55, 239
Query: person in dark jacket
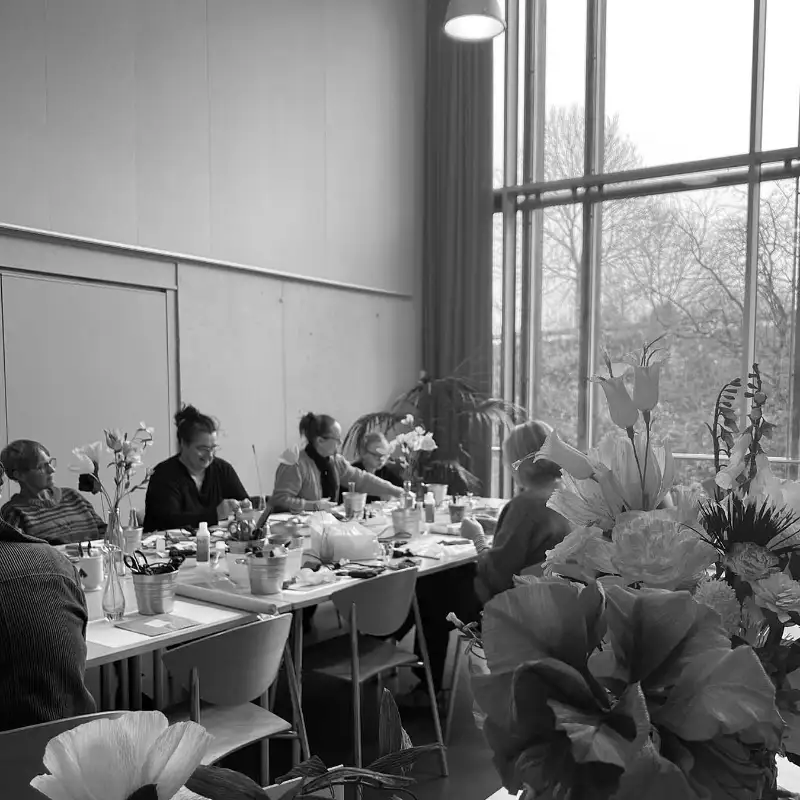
193, 486
43, 621
526, 528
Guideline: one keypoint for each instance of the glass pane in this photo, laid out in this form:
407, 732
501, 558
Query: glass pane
557, 377
678, 78
781, 76
499, 110
691, 470
565, 86
674, 265
497, 334
776, 311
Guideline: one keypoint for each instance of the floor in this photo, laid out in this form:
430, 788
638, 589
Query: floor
327, 710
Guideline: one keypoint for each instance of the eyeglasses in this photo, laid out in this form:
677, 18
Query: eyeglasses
51, 462
375, 454
337, 439
207, 451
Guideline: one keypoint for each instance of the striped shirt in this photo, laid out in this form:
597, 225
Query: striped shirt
62, 517
42, 634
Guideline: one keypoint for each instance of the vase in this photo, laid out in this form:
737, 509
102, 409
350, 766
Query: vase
113, 596
115, 542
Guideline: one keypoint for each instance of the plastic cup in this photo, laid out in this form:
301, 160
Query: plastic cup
439, 492
457, 513
354, 503
406, 521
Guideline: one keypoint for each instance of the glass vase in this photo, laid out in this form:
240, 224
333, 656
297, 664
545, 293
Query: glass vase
113, 595
115, 542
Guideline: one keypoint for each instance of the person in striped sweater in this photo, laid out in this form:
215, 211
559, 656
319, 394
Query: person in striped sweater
41, 509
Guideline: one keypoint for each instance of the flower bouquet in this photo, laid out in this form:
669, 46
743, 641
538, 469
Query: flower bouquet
126, 455
650, 660
407, 448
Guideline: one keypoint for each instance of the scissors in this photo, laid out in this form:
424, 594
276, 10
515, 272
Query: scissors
137, 562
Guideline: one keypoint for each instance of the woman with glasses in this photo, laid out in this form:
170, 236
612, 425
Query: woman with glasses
193, 486
311, 479
41, 509
374, 458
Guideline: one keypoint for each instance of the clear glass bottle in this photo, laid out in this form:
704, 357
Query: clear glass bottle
115, 541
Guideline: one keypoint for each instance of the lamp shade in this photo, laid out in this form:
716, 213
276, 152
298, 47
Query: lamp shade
473, 20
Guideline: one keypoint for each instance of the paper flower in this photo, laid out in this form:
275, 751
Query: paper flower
645, 386
751, 561
87, 458
722, 598
656, 550
573, 461
110, 759
624, 413
583, 554
778, 593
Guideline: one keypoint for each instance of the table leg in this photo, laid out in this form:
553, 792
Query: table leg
298, 669
135, 671
123, 693
158, 680
107, 687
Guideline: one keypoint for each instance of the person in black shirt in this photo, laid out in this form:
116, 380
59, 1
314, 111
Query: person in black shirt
42, 633
193, 486
374, 458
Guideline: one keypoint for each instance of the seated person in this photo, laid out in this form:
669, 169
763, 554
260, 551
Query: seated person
40, 508
526, 528
374, 458
310, 480
193, 486
42, 633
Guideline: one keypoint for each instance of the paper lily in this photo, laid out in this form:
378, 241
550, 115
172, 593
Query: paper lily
624, 413
645, 386
567, 457
110, 759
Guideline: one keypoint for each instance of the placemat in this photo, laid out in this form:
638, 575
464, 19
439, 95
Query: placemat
156, 625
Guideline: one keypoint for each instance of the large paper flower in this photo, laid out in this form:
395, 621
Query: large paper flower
645, 386
623, 412
656, 550
573, 461
584, 554
778, 593
87, 458
722, 598
110, 759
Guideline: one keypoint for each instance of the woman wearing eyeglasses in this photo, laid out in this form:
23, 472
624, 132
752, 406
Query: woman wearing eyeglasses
193, 486
310, 479
41, 509
374, 458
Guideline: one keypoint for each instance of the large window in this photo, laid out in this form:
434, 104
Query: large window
650, 188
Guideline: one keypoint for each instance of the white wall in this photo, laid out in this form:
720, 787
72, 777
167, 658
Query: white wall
280, 135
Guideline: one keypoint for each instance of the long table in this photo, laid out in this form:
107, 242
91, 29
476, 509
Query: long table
108, 645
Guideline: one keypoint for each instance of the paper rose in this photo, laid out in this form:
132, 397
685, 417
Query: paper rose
656, 550
722, 598
110, 759
751, 561
778, 593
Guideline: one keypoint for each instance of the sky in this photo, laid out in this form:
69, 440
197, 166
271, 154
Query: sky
677, 74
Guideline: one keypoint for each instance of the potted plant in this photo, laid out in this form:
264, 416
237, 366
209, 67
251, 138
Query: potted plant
454, 410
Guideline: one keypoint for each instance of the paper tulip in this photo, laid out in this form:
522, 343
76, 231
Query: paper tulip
623, 412
645, 386
567, 457
111, 759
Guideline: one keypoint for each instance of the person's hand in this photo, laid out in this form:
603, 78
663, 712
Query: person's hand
471, 529
325, 505
227, 508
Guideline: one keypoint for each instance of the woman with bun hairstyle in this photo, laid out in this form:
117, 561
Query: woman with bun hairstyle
310, 479
193, 486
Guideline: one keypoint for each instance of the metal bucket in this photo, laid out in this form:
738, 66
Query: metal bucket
267, 574
155, 594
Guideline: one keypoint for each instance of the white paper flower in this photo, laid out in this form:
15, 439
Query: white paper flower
658, 551
583, 554
87, 458
110, 759
779, 593
719, 596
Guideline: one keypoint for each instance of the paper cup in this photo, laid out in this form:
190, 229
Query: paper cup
91, 571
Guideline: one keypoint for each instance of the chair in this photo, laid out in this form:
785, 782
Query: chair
22, 751
452, 689
226, 672
374, 608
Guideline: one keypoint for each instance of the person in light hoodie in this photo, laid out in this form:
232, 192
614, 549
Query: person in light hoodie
310, 479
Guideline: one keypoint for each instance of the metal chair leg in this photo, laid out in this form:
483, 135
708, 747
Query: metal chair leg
423, 646
297, 709
355, 672
458, 658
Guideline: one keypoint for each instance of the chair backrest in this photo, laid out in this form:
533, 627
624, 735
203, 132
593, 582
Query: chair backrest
22, 751
382, 603
234, 666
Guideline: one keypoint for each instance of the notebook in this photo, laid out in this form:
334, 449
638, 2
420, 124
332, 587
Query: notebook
156, 625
